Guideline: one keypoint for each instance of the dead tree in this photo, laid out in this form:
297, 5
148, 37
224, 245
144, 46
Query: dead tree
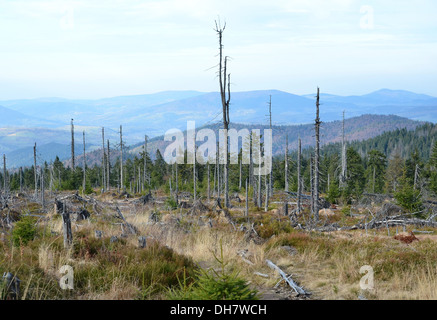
241, 169
21, 179
145, 161
72, 146
286, 164
247, 198
299, 184
108, 167
34, 170
218, 172
316, 159
121, 159
194, 175
209, 186
343, 158
259, 178
84, 165
103, 160
177, 184
266, 208
5, 178
271, 168
68, 236
42, 187
223, 77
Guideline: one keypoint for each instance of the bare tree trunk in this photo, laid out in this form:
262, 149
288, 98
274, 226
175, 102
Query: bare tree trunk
145, 160
299, 184
42, 187
218, 172
312, 184
251, 176
209, 191
194, 175
259, 179
416, 176
103, 161
68, 236
73, 167
343, 158
247, 198
121, 160
84, 166
271, 169
286, 164
239, 181
34, 170
223, 76
317, 160
108, 167
266, 208
5, 177
177, 185
21, 179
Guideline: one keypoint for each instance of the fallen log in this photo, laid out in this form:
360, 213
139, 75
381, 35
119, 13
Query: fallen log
288, 279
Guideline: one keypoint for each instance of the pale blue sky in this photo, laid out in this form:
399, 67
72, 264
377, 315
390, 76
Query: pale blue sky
93, 48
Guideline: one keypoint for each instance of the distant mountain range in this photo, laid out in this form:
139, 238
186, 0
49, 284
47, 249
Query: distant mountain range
46, 120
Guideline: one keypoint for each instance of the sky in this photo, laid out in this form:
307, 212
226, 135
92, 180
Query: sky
89, 49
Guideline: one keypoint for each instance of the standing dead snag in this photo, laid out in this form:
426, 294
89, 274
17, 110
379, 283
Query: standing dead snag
121, 159
299, 184
34, 170
316, 159
72, 146
103, 160
223, 76
5, 183
108, 172
343, 158
84, 166
286, 164
68, 236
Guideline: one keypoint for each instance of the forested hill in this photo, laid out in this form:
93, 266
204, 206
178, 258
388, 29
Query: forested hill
402, 141
356, 128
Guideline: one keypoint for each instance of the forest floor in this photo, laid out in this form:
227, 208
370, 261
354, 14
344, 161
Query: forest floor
182, 240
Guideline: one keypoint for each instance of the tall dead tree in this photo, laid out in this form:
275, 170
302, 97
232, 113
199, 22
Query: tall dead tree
34, 170
286, 163
241, 170
145, 161
42, 187
121, 159
5, 178
21, 179
271, 168
218, 172
251, 178
247, 198
299, 184
209, 183
72, 146
316, 159
177, 184
103, 160
223, 77
194, 174
84, 165
259, 178
343, 158
108, 169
